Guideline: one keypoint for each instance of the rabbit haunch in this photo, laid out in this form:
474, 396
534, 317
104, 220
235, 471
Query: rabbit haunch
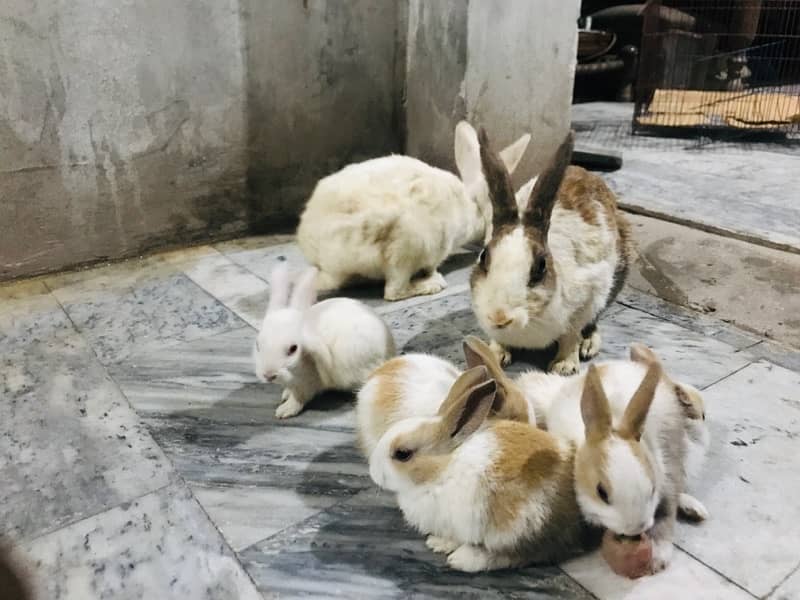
397, 218
555, 260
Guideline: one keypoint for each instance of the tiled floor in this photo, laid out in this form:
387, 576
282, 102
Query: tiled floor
140, 457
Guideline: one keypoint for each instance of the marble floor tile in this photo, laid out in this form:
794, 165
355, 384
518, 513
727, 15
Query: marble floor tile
685, 578
688, 356
29, 313
233, 285
122, 319
70, 444
161, 545
363, 549
789, 589
750, 481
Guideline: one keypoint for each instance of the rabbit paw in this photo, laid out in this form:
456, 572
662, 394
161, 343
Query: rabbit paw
289, 407
590, 346
565, 366
691, 509
441, 545
662, 555
503, 355
469, 558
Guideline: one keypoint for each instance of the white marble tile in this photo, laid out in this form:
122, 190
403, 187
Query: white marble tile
159, 546
685, 578
750, 480
688, 356
70, 444
233, 285
246, 515
789, 589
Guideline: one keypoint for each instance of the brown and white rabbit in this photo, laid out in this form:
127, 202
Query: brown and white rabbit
553, 264
395, 217
491, 494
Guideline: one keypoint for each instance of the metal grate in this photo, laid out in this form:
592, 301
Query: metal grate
724, 65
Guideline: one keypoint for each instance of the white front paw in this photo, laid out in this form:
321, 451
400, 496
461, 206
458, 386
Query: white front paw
662, 555
566, 366
441, 545
289, 407
468, 558
691, 508
590, 347
285, 395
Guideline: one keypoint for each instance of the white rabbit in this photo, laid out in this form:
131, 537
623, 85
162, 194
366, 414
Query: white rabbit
308, 347
396, 218
491, 494
554, 262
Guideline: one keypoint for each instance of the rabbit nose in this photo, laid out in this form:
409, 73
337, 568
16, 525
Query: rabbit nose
271, 377
500, 319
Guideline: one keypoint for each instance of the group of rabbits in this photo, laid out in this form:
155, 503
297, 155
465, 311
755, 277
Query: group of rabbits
497, 472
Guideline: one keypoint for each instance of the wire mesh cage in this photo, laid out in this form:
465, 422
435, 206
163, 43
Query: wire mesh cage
724, 65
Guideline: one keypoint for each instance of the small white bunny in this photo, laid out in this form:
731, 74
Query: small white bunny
557, 258
396, 218
308, 347
491, 494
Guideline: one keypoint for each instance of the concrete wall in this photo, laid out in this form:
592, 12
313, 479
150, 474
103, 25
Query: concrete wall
134, 124
505, 64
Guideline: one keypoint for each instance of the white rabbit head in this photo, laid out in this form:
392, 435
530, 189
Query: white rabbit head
278, 348
616, 476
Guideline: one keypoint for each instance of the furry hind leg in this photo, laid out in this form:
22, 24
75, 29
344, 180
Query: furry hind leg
400, 286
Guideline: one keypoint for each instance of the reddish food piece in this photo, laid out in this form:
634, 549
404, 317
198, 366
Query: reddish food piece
630, 557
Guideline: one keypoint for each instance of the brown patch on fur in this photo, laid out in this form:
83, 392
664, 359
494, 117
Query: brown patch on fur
691, 402
12, 584
431, 452
632, 424
388, 395
461, 385
510, 402
527, 457
591, 463
501, 193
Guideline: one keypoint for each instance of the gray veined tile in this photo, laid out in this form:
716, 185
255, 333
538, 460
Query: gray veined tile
688, 356
789, 589
30, 314
363, 549
123, 320
70, 444
159, 546
750, 479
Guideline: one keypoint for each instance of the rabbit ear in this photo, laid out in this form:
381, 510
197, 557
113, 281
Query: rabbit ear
545, 192
642, 354
469, 412
523, 195
509, 402
633, 419
305, 290
468, 379
467, 152
512, 154
278, 286
595, 409
501, 194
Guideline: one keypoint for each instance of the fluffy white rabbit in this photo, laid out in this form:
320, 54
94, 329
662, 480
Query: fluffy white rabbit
396, 218
308, 347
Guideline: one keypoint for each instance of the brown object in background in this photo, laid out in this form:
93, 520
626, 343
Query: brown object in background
12, 587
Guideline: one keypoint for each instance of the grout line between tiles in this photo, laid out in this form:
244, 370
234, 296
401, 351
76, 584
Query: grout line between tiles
724, 377
579, 584
781, 582
718, 572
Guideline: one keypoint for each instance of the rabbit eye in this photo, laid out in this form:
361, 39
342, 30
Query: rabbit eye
601, 491
402, 454
483, 258
291, 350
538, 270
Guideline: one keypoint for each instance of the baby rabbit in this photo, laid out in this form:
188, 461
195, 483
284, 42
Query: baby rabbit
394, 218
308, 347
491, 494
553, 263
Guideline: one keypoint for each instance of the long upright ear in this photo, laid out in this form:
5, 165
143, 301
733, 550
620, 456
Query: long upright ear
509, 402
468, 379
305, 290
642, 354
545, 192
278, 286
504, 205
633, 419
523, 195
465, 416
467, 153
512, 154
595, 409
